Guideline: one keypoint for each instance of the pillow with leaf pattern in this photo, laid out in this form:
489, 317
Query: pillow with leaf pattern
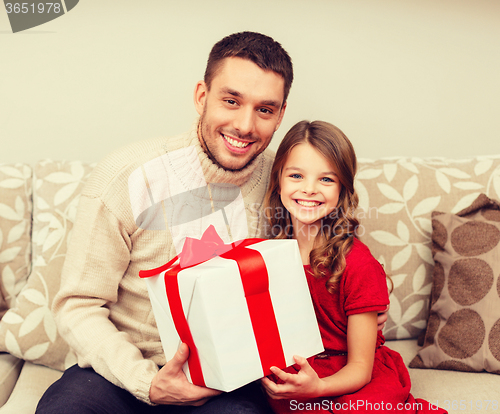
15, 230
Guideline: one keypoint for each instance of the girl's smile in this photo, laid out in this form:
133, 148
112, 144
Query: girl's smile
306, 203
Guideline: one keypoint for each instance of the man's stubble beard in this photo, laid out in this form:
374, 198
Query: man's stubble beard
203, 130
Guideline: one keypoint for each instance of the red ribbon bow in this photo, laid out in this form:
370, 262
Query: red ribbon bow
255, 282
197, 251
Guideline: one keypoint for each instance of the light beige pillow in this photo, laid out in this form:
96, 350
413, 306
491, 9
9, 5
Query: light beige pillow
15, 228
463, 332
28, 330
397, 197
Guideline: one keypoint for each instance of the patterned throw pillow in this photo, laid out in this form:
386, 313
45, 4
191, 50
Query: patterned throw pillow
15, 229
463, 332
397, 197
28, 330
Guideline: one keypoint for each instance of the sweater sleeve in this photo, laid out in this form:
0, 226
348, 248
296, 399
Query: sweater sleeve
97, 259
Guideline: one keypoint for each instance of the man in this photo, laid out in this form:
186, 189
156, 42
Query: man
124, 225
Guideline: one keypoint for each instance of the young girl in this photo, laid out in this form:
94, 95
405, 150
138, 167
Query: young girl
311, 198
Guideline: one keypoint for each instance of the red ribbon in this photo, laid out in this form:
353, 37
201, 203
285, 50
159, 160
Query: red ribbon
255, 280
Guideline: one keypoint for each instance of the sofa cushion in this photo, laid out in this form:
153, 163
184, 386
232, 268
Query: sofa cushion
32, 383
463, 332
10, 367
457, 392
397, 197
28, 330
15, 229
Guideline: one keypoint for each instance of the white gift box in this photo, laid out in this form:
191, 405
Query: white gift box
219, 317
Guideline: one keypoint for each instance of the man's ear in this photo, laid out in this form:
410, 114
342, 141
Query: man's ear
282, 113
200, 96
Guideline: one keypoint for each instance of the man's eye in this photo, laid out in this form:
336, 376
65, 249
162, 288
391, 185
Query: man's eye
265, 111
231, 102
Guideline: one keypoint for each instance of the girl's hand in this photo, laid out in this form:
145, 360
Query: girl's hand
304, 384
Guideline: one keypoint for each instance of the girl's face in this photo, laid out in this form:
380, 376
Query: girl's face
309, 187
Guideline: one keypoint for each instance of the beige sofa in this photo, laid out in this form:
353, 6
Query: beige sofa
397, 196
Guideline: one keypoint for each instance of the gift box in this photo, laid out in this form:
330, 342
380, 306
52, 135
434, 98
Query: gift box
241, 308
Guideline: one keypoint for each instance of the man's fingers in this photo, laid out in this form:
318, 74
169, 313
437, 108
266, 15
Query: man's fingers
207, 393
200, 402
170, 385
199, 396
382, 318
180, 357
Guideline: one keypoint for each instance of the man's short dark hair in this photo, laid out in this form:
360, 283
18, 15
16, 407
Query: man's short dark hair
262, 50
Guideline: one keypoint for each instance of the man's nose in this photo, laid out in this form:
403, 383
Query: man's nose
245, 122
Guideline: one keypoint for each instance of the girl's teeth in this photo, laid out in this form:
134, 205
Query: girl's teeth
235, 143
308, 203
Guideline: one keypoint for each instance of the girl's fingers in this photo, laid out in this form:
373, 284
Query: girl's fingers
268, 384
301, 361
272, 389
275, 395
293, 385
303, 364
282, 375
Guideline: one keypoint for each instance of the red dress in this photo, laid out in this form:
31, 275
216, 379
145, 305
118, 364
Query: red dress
362, 288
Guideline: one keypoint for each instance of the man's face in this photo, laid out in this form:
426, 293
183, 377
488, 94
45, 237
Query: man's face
240, 112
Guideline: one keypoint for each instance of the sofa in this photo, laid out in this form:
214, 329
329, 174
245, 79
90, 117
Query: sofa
400, 204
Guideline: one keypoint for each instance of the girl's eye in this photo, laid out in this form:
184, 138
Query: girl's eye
297, 176
327, 180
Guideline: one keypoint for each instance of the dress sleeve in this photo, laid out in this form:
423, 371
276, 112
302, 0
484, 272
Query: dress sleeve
98, 257
364, 283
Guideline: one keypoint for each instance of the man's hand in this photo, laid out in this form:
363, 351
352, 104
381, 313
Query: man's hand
170, 385
382, 318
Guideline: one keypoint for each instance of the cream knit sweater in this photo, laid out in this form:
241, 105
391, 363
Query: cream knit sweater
103, 309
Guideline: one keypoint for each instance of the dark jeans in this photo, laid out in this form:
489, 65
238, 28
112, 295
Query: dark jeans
82, 390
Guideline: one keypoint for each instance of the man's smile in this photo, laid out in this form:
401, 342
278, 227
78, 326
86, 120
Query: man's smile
236, 145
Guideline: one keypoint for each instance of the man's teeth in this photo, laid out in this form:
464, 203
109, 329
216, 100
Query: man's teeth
308, 203
235, 143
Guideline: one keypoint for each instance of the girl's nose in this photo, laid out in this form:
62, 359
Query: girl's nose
309, 188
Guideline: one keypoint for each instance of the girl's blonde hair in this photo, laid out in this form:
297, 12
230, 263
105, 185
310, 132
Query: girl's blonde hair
338, 229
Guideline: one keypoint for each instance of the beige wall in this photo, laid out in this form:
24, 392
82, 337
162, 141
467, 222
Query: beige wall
400, 77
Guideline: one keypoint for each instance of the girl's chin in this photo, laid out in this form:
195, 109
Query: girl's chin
309, 222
